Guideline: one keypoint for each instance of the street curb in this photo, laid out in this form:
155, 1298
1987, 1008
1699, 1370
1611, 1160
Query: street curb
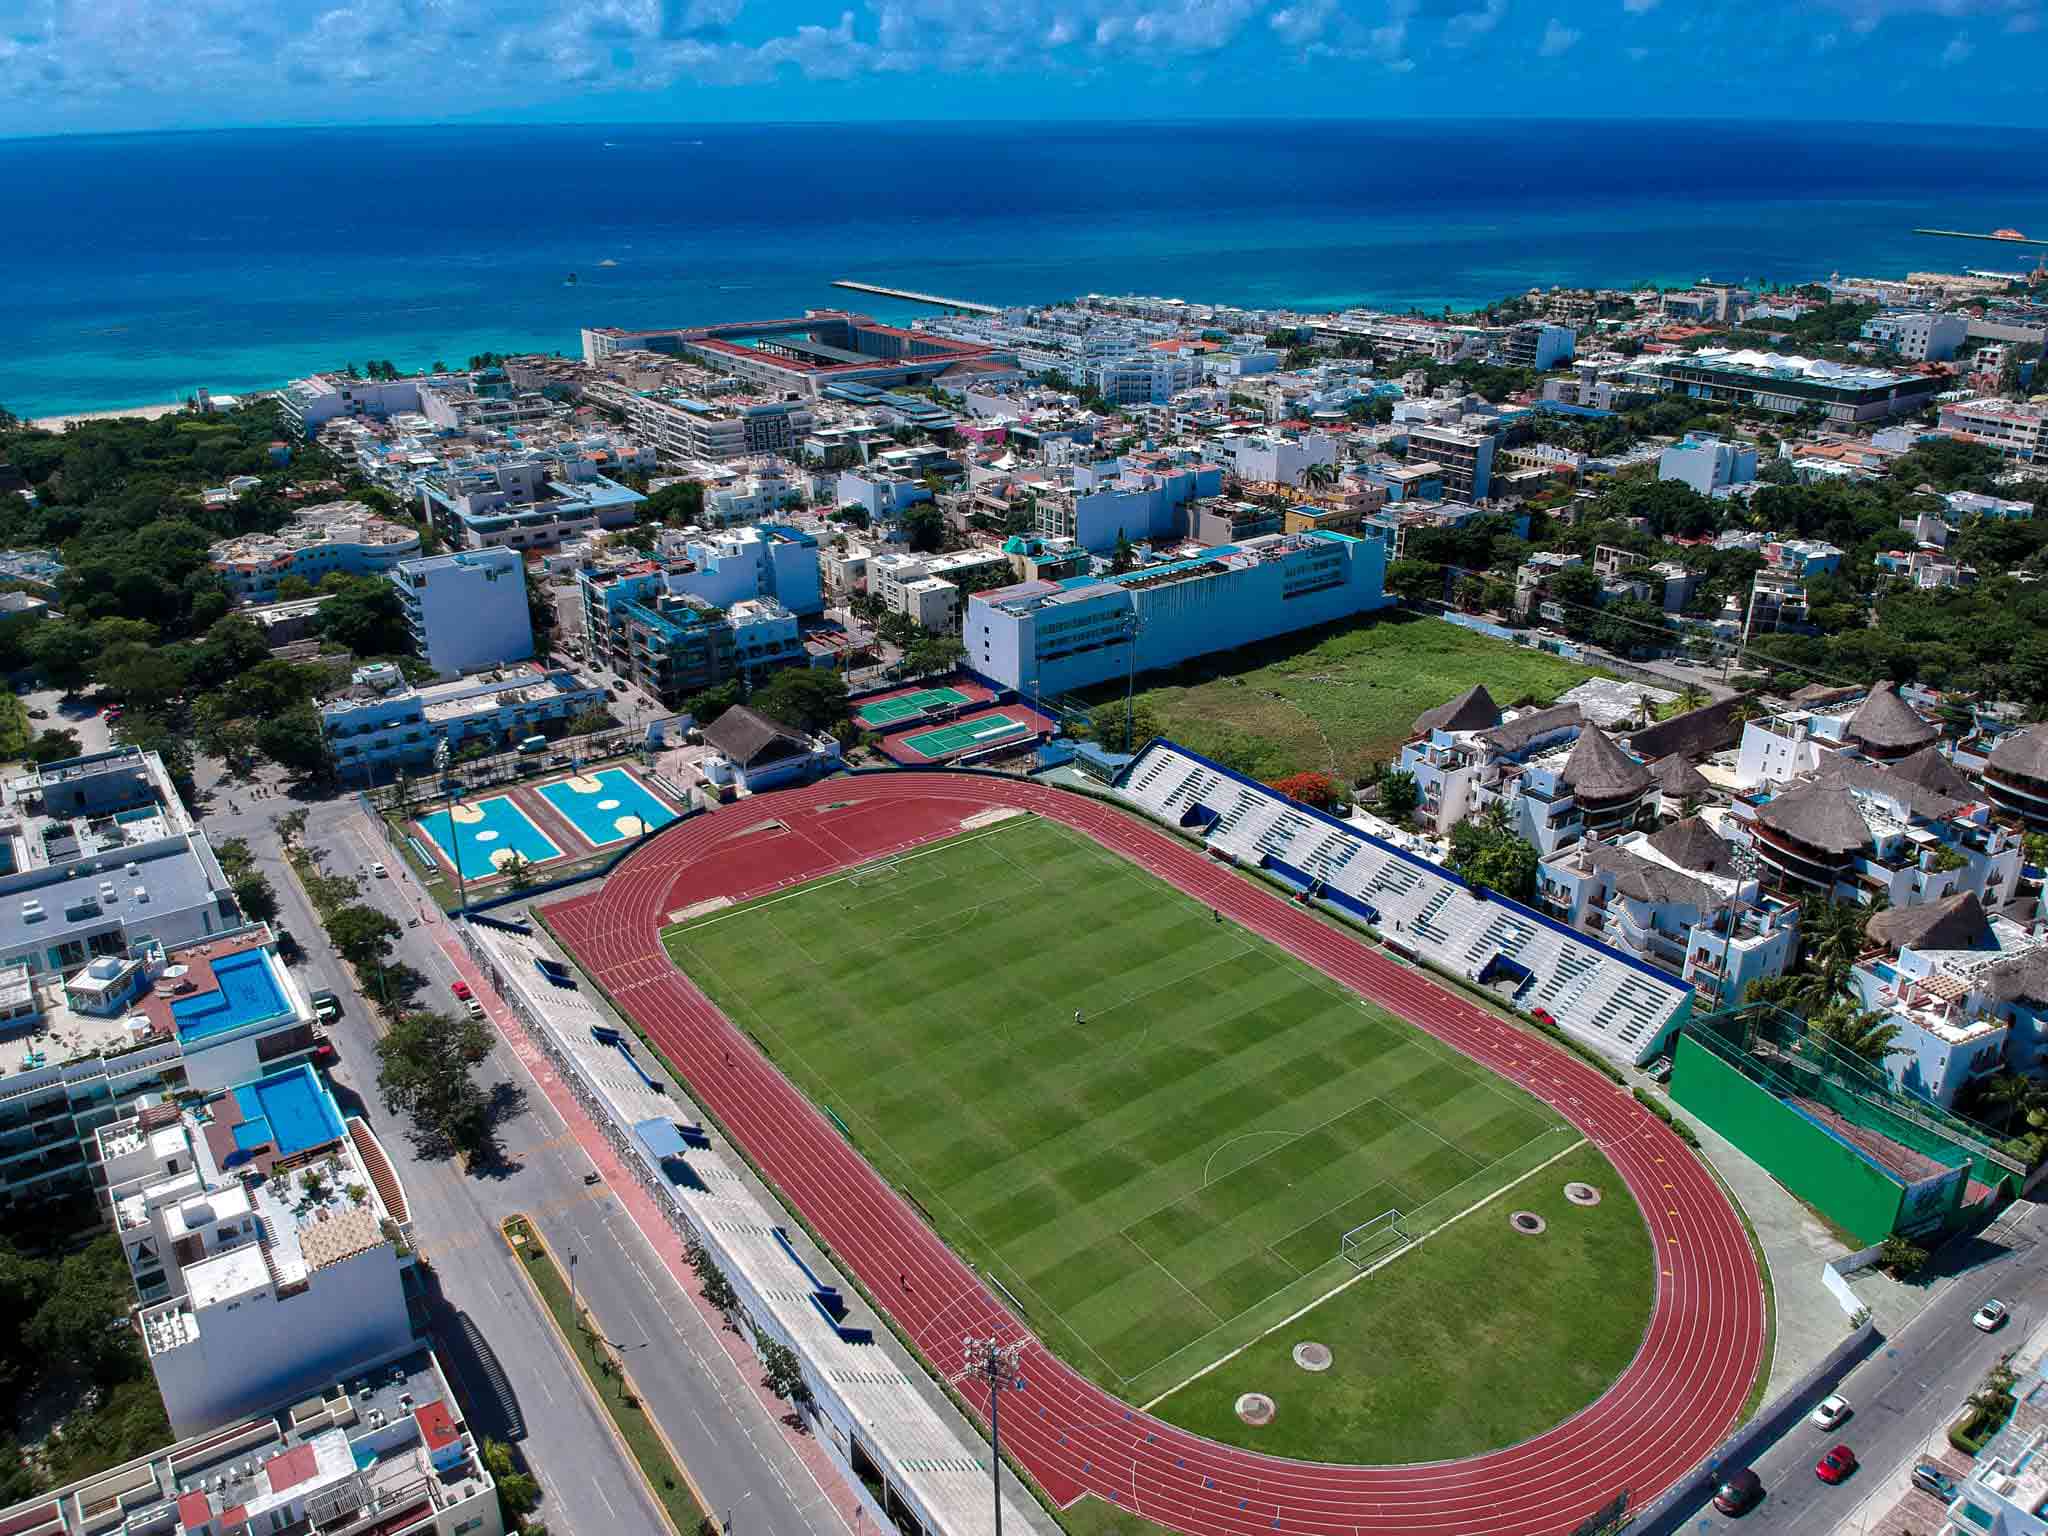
625, 1377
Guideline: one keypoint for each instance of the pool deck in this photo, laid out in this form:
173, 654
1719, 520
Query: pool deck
198, 960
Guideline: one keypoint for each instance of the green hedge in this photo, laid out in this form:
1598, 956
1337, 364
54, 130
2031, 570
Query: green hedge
1655, 1106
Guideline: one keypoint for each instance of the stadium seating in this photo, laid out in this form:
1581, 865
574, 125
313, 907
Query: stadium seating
1611, 1002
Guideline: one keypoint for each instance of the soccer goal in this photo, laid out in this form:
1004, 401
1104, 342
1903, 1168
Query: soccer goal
1373, 1239
873, 874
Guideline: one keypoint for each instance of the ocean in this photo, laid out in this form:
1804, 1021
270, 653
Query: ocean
137, 268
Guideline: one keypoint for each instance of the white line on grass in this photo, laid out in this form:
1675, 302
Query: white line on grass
1337, 1290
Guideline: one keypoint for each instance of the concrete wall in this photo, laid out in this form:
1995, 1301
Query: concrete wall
1794, 1150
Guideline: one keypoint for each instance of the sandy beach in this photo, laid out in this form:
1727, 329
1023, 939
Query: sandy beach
146, 412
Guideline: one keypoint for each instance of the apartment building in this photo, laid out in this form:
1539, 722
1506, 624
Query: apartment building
1918, 335
522, 501
1537, 344
380, 1450
1710, 466
310, 403
2013, 428
770, 560
1267, 458
1046, 637
1788, 384
381, 723
466, 611
335, 538
643, 622
1464, 458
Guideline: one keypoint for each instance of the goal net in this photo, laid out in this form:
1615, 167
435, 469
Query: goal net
1373, 1239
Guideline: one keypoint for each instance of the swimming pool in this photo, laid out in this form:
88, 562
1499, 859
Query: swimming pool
247, 992
290, 1111
619, 808
502, 828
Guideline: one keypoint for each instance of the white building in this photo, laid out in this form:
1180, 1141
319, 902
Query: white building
1269, 459
335, 538
380, 722
275, 1235
312, 402
2013, 428
1710, 466
467, 610
1918, 335
767, 561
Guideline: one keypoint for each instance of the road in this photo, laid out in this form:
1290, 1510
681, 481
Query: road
733, 1447
1912, 1386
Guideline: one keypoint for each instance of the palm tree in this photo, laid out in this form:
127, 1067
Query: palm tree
2009, 1094
1867, 1033
1692, 696
1320, 474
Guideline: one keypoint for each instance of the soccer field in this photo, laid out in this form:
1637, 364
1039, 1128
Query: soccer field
1155, 1181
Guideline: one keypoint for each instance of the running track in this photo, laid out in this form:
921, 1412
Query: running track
1673, 1404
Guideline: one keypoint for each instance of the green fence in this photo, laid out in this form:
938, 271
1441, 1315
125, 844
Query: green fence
1828, 1175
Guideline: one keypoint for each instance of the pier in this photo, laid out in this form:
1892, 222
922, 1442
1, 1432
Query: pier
938, 300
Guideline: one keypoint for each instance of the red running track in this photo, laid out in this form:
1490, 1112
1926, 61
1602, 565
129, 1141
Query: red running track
1674, 1403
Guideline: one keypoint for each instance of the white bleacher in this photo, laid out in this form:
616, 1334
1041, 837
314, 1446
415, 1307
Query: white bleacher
860, 1384
1595, 995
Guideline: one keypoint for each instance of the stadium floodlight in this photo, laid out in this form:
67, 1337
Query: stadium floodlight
995, 1363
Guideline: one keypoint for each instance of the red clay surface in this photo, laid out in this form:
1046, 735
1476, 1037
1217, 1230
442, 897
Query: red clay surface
1673, 1404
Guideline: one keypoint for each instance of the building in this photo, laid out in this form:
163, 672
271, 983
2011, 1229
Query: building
2014, 775
802, 355
1918, 335
310, 403
1777, 603
1050, 637
1145, 378
267, 1241
522, 501
1769, 381
769, 560
381, 724
927, 589
379, 1450
1464, 458
1710, 466
335, 538
751, 752
1804, 558
1271, 459
2014, 429
466, 611
2006, 1493
1538, 345
686, 429
1138, 502
1679, 899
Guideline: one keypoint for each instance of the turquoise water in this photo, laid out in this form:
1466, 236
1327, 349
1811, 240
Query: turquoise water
504, 826
597, 816
290, 1111
247, 992
137, 267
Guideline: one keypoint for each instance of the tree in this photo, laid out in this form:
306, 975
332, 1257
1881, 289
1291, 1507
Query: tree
361, 935
293, 741
1862, 1033
782, 1373
426, 1068
935, 653
518, 1492
707, 706
590, 721
1901, 1258
1124, 556
1399, 795
54, 747
803, 697
1416, 581
518, 872
81, 1321
1486, 852
1309, 788
366, 616
716, 1287
925, 526
678, 503
63, 653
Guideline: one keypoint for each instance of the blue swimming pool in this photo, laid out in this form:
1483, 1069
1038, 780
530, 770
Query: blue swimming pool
290, 1111
621, 807
247, 992
504, 827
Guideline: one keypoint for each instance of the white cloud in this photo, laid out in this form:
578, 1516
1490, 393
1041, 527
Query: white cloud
1637, 7
1558, 39
1865, 15
1958, 50
1637, 55
1468, 26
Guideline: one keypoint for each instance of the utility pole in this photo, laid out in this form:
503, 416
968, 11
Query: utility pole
1131, 627
995, 1363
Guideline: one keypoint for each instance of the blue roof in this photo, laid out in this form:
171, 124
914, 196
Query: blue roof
661, 1138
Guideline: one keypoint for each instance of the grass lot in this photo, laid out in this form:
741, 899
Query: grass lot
1159, 1182
1476, 1338
665, 1479
16, 730
1333, 701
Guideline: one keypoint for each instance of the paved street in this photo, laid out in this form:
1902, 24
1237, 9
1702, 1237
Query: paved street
734, 1448
1908, 1390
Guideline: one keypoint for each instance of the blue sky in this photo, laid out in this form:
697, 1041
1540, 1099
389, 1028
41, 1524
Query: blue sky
107, 65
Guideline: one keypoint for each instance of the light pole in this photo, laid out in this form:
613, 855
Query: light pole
995, 1363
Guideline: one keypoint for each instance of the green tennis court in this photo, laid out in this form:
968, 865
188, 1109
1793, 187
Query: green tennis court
908, 706
967, 735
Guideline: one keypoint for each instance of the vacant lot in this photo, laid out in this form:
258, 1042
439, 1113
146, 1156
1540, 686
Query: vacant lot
1332, 702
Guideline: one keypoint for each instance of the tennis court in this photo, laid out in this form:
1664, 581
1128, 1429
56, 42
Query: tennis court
969, 735
880, 713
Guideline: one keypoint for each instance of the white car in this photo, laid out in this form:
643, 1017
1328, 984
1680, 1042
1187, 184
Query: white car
380, 871
1831, 1412
1990, 1317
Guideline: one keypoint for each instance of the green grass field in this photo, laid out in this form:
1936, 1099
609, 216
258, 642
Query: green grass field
1331, 702
1162, 1181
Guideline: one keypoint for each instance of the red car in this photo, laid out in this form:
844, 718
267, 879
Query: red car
1836, 1465
324, 1054
461, 990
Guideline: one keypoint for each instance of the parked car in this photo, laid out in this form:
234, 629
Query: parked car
1661, 1072
1835, 1465
1739, 1492
1832, 1410
380, 871
1929, 1478
325, 1055
476, 1009
1991, 1317
461, 990
326, 1007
